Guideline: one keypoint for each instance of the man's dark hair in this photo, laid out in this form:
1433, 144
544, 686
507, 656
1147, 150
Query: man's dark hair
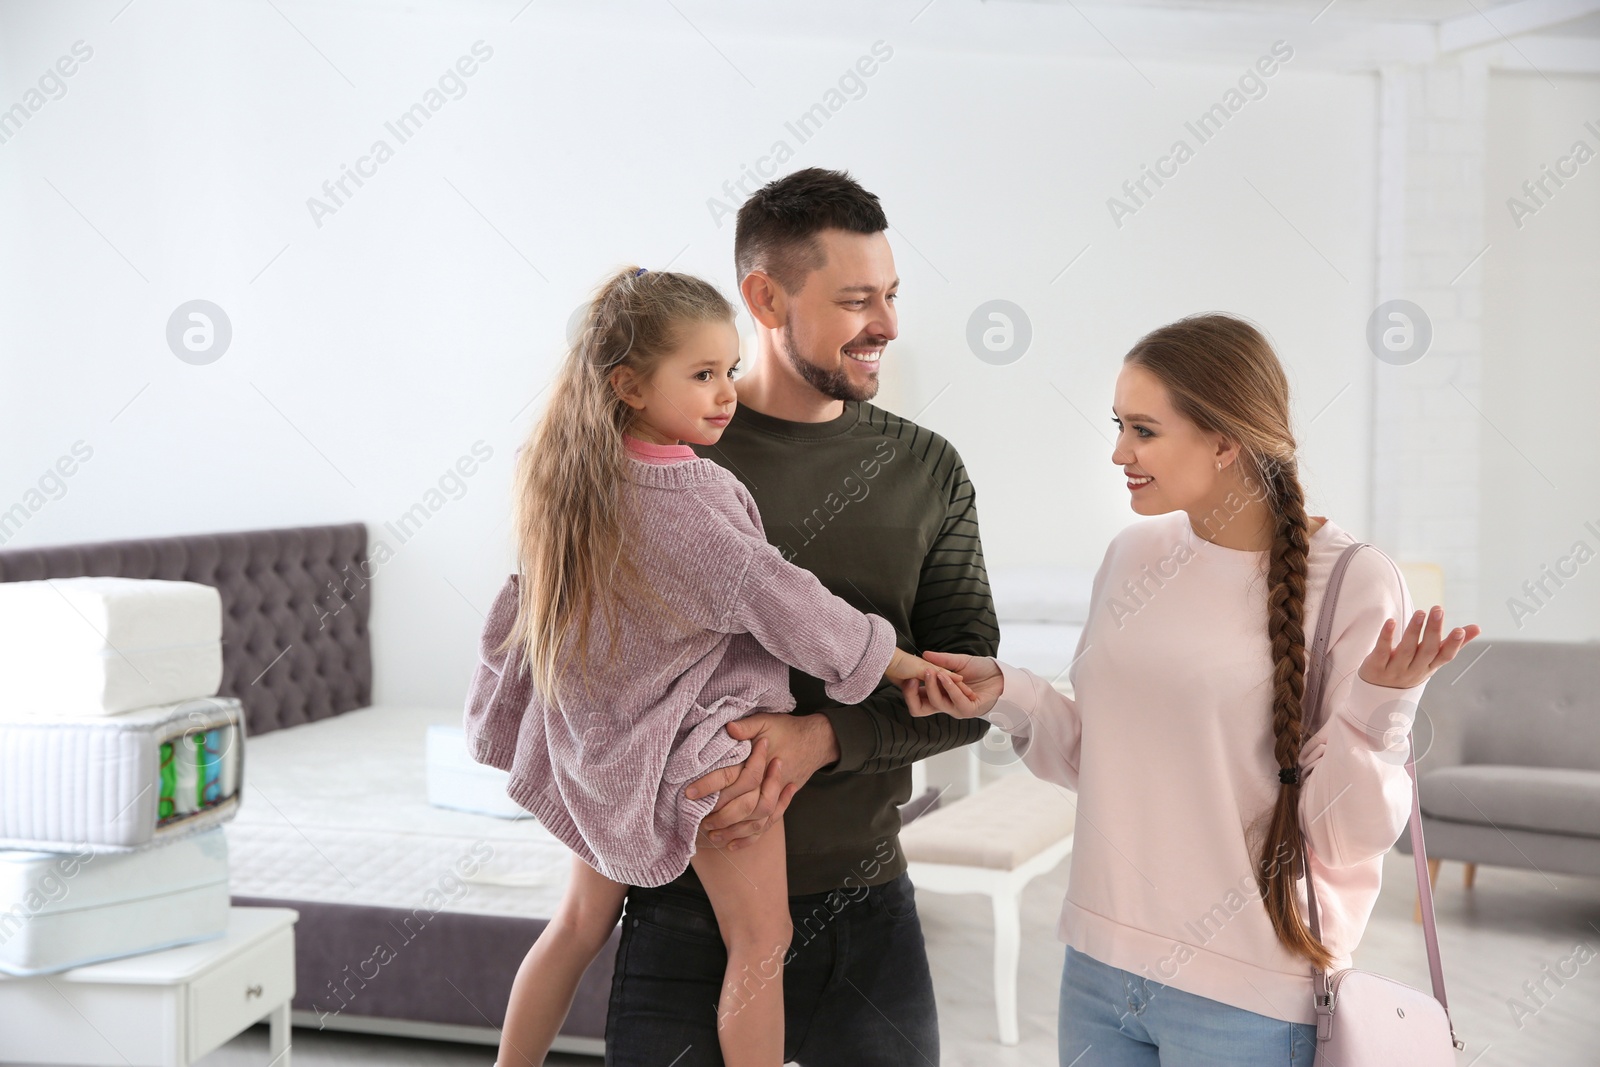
778, 226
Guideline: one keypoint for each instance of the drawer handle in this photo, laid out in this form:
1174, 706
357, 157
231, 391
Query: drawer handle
252, 991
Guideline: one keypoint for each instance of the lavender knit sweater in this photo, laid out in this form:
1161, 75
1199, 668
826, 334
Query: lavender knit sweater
606, 775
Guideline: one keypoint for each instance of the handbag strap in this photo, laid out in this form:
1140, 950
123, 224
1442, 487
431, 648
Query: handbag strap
1316, 672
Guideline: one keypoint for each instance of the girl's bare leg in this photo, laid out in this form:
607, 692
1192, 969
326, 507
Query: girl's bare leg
749, 891
542, 993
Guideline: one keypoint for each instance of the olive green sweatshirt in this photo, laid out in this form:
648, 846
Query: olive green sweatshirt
881, 511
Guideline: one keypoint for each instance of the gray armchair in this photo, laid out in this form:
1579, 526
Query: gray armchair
1508, 758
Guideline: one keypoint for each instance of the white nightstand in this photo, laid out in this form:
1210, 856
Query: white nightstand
161, 1009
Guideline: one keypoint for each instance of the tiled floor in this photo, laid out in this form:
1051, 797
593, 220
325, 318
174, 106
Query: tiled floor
1494, 939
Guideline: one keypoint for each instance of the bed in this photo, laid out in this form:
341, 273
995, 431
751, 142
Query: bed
413, 919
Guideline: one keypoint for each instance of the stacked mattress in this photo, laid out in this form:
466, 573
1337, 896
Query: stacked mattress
118, 763
67, 909
99, 646
122, 782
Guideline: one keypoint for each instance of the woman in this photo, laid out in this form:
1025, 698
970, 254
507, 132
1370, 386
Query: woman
1187, 743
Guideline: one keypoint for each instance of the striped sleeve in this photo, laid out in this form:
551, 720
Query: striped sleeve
953, 612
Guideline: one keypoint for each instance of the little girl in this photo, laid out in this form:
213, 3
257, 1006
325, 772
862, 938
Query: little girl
650, 611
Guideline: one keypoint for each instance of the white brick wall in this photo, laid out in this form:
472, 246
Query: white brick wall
1425, 465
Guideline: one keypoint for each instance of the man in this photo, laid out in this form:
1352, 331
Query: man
881, 511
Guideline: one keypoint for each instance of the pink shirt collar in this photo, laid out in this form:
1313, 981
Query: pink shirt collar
654, 453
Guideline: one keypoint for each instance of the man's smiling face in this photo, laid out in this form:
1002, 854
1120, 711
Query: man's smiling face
843, 317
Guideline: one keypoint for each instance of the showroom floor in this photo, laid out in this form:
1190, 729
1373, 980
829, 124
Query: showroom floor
1494, 938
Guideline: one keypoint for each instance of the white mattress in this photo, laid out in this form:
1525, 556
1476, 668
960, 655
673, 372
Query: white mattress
461, 783
120, 782
64, 910
72, 647
337, 811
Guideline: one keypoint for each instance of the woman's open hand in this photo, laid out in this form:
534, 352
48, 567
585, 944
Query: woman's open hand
1422, 650
976, 691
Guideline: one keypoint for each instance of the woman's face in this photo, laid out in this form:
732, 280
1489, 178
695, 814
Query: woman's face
1169, 461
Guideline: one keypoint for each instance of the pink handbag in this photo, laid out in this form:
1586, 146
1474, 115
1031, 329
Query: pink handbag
1365, 1019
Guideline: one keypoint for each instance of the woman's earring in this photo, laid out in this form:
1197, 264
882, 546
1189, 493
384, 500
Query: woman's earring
1219, 464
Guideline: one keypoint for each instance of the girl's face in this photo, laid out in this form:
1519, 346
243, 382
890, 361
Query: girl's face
690, 396
1170, 462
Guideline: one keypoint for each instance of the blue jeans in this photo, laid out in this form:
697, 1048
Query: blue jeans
1115, 1018
857, 991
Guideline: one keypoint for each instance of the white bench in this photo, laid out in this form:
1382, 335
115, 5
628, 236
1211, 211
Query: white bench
994, 841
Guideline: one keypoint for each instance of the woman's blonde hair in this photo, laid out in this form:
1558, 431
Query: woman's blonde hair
1223, 376
572, 504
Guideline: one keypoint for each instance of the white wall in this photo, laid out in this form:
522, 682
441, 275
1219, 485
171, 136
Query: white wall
1541, 460
426, 314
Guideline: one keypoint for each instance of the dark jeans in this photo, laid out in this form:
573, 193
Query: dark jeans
856, 987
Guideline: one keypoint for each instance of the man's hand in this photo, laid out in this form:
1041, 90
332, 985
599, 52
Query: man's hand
786, 750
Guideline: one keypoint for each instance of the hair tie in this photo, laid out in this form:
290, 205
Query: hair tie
638, 272
1289, 776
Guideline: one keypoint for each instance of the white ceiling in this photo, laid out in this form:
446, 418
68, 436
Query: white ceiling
1588, 26
1371, 10
1548, 36
1383, 10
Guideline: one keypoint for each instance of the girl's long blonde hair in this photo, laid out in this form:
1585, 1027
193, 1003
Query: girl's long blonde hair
1223, 376
572, 503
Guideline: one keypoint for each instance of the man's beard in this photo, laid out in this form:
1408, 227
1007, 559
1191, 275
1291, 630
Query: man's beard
833, 384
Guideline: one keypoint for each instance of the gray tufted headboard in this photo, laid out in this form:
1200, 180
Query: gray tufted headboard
295, 605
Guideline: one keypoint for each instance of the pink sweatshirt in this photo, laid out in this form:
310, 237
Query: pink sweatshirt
605, 774
1168, 743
